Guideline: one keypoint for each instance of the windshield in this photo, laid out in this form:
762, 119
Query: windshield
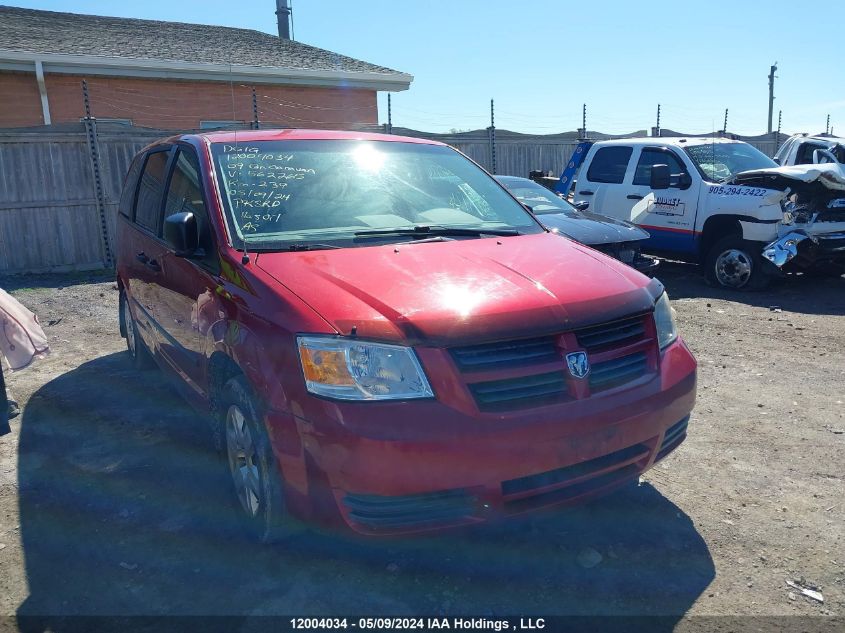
281, 193
720, 161
541, 200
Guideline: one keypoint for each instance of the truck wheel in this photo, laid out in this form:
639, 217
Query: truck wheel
736, 264
255, 474
139, 355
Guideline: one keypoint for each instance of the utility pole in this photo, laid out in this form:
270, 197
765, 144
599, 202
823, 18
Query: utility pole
772, 93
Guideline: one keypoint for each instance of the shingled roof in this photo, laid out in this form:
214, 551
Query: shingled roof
29, 33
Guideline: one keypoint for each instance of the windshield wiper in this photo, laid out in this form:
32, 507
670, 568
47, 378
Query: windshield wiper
311, 247
426, 231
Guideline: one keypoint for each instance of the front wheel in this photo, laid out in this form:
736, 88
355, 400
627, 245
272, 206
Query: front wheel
735, 264
255, 474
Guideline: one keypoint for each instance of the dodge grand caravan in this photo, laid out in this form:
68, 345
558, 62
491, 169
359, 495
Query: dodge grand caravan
384, 338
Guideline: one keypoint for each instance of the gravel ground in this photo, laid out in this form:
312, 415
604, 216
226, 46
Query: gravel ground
112, 503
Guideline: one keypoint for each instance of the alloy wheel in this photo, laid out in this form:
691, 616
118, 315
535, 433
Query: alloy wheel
243, 460
129, 326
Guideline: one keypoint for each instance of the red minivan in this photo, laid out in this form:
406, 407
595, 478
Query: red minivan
384, 337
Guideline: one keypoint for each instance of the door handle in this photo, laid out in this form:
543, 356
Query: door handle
634, 196
142, 257
586, 193
153, 265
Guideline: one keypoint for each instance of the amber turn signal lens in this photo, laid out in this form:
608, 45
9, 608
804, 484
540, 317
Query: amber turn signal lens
325, 366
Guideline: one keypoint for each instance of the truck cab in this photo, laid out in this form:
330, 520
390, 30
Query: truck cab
802, 149
678, 189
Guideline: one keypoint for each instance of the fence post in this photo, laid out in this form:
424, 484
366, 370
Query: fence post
100, 195
492, 138
256, 124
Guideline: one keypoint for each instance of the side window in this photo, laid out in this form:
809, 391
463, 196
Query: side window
805, 153
185, 194
150, 191
130, 186
609, 165
650, 157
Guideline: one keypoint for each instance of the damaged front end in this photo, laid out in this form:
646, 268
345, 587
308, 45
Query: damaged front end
812, 232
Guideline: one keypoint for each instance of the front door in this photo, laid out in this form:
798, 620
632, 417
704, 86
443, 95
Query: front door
667, 214
187, 284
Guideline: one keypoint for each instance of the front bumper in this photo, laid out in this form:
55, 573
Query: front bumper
801, 249
434, 467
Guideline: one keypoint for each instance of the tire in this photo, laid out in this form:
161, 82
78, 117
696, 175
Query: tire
735, 264
139, 355
254, 473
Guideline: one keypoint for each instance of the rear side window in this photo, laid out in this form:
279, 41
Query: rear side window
150, 191
651, 157
609, 165
185, 194
130, 186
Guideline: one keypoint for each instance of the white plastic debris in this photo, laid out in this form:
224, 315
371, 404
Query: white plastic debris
810, 593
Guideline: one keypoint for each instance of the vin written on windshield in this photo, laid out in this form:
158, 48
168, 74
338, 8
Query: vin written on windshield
256, 184
292, 192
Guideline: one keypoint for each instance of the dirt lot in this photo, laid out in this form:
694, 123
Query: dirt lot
111, 501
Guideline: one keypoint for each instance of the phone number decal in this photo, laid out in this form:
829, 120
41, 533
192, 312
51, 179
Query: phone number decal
722, 190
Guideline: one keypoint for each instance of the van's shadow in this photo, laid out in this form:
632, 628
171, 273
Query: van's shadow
126, 510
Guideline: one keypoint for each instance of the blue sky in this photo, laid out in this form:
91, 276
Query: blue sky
541, 61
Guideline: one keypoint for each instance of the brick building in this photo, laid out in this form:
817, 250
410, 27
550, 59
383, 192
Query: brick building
171, 75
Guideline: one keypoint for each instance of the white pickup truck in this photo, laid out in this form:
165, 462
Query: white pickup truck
689, 195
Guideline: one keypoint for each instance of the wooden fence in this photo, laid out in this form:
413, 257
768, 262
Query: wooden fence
50, 216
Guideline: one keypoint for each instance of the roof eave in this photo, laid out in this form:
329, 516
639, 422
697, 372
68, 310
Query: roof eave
166, 69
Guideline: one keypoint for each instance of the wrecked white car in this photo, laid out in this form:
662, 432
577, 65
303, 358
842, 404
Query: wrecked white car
720, 203
811, 236
802, 149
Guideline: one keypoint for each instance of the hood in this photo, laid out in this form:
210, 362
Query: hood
591, 228
810, 179
442, 293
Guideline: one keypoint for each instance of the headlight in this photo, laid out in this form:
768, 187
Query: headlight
664, 320
349, 369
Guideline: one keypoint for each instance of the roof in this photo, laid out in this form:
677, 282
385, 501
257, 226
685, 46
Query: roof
67, 41
826, 138
289, 134
678, 141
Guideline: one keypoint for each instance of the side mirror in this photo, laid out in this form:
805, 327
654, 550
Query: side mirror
684, 180
180, 232
660, 177
528, 208
581, 206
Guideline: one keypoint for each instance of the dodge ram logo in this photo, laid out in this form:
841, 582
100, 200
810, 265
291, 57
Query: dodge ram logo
578, 364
